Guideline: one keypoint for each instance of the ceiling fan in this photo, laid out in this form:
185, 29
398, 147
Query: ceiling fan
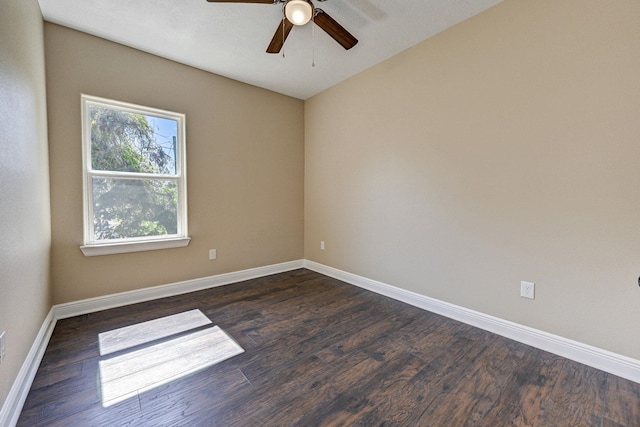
300, 12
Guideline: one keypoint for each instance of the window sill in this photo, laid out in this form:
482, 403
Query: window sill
123, 248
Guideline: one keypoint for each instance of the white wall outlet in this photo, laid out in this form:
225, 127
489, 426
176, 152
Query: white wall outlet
3, 346
322, 245
527, 289
213, 254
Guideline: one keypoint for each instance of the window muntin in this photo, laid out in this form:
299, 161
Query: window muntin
134, 173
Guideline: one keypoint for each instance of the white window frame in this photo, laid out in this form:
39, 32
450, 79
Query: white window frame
92, 247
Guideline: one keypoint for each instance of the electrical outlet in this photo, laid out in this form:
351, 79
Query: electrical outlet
213, 254
527, 289
322, 245
3, 346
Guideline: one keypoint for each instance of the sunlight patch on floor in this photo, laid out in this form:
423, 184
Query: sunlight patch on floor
125, 375
144, 332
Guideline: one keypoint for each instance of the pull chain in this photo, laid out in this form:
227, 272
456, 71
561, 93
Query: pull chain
283, 37
313, 41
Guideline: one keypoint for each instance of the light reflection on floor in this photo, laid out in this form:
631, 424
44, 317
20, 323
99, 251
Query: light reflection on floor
145, 332
127, 374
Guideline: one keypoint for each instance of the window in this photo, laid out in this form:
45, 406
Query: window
134, 178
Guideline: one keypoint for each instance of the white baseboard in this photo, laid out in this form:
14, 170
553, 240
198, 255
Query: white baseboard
91, 305
604, 360
18, 394
14, 402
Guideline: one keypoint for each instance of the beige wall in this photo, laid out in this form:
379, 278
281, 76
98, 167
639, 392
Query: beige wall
24, 184
244, 161
504, 149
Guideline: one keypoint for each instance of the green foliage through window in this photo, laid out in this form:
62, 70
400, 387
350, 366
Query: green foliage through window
126, 208
134, 173
123, 141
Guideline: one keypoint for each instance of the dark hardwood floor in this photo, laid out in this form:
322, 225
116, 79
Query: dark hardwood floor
322, 352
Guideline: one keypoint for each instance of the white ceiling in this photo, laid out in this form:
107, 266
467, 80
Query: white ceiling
230, 39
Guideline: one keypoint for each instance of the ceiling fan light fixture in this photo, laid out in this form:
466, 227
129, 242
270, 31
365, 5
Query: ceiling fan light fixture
298, 12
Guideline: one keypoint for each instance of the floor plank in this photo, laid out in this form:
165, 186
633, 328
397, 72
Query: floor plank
319, 352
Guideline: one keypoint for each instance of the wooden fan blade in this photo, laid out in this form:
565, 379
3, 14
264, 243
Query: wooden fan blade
280, 36
335, 30
243, 1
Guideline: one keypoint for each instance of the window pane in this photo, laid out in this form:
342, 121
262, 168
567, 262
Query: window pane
125, 208
131, 142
